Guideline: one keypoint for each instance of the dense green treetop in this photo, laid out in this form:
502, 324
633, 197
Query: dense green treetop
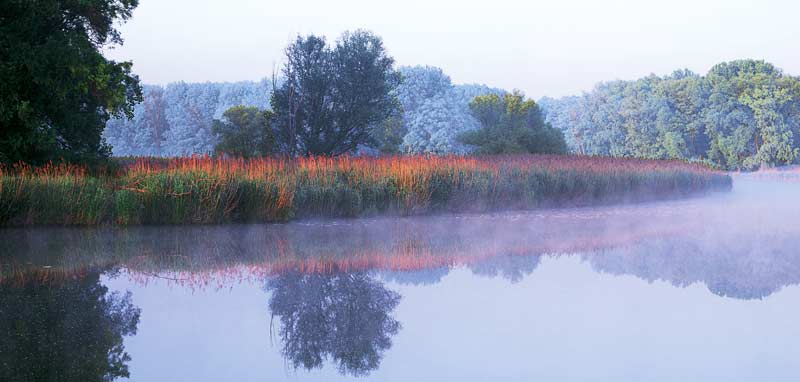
741, 115
244, 131
511, 124
56, 89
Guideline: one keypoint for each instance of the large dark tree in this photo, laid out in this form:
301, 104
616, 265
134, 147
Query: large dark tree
333, 100
56, 89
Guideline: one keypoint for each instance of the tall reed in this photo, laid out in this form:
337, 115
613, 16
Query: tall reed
209, 190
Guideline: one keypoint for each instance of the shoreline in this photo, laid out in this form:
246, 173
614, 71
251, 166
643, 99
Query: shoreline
203, 190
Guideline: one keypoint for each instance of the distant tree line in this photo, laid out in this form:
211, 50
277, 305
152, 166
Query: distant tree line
426, 113
740, 115
179, 119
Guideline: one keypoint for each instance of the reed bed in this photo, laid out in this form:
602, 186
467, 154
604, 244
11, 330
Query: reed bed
199, 190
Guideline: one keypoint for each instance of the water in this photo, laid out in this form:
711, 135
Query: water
693, 290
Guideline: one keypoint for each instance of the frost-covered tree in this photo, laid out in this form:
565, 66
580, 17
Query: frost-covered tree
190, 111
433, 113
435, 110
145, 133
176, 119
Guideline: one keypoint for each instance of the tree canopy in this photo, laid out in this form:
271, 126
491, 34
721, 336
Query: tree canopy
510, 124
244, 131
70, 331
333, 98
741, 115
57, 91
345, 318
176, 119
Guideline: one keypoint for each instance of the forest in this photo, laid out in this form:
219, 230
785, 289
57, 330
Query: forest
741, 115
177, 119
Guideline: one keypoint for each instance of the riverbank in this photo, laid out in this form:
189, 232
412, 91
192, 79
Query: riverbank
201, 190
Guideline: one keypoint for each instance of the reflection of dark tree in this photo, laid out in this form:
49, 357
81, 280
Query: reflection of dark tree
72, 331
343, 317
510, 267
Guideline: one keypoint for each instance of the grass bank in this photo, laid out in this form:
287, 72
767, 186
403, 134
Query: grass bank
207, 190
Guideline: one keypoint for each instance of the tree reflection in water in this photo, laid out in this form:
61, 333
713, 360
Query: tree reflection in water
511, 267
69, 331
342, 317
741, 265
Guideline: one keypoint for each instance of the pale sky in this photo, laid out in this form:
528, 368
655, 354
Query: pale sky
554, 47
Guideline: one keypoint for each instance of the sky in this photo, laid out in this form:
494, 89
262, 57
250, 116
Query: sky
544, 48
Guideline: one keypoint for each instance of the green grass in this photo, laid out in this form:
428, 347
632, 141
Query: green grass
204, 190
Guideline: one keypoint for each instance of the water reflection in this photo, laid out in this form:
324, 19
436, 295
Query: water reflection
511, 267
332, 286
342, 317
319, 247
70, 331
741, 265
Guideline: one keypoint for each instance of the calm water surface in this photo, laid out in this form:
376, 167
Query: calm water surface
693, 290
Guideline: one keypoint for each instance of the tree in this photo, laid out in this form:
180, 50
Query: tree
344, 317
69, 330
433, 113
332, 100
389, 134
436, 112
741, 115
177, 119
57, 89
155, 122
244, 131
750, 114
511, 124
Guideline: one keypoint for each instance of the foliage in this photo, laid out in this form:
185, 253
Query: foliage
177, 119
435, 111
244, 132
72, 332
511, 125
741, 115
58, 91
344, 317
332, 99
206, 190
389, 135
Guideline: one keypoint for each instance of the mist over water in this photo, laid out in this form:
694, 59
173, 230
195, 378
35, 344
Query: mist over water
608, 293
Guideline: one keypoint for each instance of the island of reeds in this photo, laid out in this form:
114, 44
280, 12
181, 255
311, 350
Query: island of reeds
202, 190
